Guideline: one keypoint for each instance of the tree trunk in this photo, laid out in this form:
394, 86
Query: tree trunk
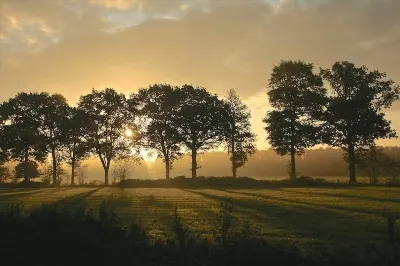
374, 171
26, 161
72, 172
54, 158
167, 168
106, 175
233, 157
194, 163
352, 164
293, 163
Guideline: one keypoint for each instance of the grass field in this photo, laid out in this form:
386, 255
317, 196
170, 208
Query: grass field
321, 216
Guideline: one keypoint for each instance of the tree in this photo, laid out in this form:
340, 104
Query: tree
107, 122
239, 139
354, 117
47, 173
53, 115
200, 121
27, 170
122, 168
81, 173
21, 138
76, 147
5, 174
298, 97
157, 107
370, 162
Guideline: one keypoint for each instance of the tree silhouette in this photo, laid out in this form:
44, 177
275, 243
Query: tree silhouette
354, 117
239, 139
107, 120
53, 114
157, 108
76, 147
199, 120
298, 97
4, 156
21, 136
370, 162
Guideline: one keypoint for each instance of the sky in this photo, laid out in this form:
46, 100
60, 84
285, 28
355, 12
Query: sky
72, 46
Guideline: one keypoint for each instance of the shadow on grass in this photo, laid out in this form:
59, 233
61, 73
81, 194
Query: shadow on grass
360, 197
20, 194
319, 205
308, 222
79, 198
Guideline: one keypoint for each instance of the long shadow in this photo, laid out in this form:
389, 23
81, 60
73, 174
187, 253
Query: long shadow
12, 197
320, 205
77, 198
349, 196
310, 223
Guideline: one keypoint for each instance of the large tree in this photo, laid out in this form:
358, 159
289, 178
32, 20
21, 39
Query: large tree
76, 147
239, 138
156, 107
107, 123
53, 114
21, 135
354, 116
200, 121
297, 95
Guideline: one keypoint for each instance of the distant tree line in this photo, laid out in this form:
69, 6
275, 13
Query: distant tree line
171, 120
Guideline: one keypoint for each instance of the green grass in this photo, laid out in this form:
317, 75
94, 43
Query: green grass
322, 216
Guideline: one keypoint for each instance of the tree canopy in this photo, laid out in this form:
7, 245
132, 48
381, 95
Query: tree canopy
239, 138
156, 107
354, 116
297, 95
199, 120
107, 122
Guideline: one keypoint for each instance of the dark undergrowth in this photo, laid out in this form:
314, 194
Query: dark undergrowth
240, 182
53, 235
211, 182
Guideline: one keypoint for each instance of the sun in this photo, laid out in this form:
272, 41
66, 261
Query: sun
129, 133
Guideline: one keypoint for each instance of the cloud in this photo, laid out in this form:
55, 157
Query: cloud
148, 5
216, 44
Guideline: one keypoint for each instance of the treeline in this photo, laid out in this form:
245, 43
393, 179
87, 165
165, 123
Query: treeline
318, 163
166, 119
171, 121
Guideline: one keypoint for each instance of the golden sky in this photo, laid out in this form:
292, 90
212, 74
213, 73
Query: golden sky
72, 46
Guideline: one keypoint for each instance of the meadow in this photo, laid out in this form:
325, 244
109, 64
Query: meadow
323, 216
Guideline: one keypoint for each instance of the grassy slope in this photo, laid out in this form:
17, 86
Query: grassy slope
328, 216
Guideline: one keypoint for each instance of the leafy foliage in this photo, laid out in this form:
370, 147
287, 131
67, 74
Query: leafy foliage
53, 114
75, 146
354, 117
21, 137
239, 139
298, 97
107, 120
157, 108
200, 121
5, 174
27, 170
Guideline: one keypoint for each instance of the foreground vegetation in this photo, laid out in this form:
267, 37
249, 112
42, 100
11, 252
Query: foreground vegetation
328, 217
255, 227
